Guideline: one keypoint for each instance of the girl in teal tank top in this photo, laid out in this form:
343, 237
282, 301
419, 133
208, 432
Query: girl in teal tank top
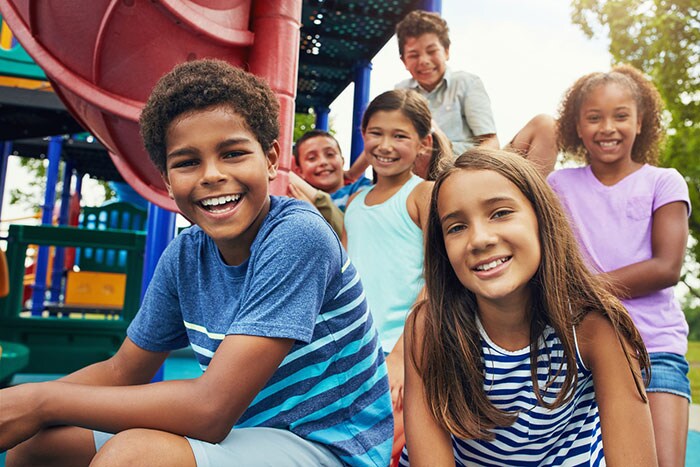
384, 222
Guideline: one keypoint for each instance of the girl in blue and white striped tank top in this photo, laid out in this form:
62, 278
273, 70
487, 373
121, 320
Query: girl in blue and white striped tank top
518, 355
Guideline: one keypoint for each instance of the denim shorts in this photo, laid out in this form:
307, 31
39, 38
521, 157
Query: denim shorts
669, 373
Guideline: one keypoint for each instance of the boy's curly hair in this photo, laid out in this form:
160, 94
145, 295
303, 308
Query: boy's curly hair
206, 83
419, 22
649, 107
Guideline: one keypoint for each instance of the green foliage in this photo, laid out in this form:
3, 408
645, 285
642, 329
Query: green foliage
661, 38
303, 123
693, 357
31, 195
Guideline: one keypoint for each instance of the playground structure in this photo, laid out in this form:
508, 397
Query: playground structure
101, 59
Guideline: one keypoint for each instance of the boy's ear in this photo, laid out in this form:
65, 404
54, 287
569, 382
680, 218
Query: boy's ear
447, 54
273, 160
164, 176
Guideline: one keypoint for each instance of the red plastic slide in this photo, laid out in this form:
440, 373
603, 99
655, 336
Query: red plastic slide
103, 57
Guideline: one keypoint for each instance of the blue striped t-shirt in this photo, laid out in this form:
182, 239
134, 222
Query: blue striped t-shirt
566, 436
298, 283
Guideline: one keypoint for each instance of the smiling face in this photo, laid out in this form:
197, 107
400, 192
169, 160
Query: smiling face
608, 123
218, 175
491, 237
392, 143
426, 59
320, 163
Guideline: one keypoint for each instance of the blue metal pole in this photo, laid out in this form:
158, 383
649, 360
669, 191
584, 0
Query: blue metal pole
161, 230
322, 118
363, 70
38, 294
432, 5
6, 151
59, 254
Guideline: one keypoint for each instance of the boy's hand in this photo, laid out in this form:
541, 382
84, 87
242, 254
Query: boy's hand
294, 192
20, 415
300, 189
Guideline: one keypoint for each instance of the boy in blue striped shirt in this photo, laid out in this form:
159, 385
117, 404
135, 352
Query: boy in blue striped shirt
262, 290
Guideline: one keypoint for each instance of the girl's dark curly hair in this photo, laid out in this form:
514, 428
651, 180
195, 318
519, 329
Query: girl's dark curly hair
649, 107
206, 83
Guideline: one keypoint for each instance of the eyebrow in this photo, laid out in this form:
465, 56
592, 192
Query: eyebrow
487, 202
621, 107
188, 150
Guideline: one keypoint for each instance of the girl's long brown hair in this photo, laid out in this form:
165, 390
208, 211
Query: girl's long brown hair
563, 292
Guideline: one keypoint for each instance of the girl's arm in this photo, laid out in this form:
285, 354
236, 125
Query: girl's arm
628, 437
344, 236
669, 237
418, 204
426, 441
203, 408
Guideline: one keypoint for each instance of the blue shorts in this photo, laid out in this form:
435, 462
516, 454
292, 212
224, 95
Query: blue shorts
669, 373
257, 446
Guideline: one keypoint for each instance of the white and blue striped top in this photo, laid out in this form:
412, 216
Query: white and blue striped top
566, 436
298, 283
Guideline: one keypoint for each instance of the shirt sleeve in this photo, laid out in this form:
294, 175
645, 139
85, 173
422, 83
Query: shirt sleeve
476, 108
158, 325
290, 276
671, 187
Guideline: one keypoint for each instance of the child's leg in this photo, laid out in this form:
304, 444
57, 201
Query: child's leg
145, 447
669, 396
60, 446
669, 415
537, 142
243, 446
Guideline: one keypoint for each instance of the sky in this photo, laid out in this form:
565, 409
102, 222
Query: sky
527, 53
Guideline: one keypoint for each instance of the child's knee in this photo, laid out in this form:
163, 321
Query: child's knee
141, 446
124, 448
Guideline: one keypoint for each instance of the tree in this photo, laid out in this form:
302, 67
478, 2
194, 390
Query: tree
303, 122
661, 38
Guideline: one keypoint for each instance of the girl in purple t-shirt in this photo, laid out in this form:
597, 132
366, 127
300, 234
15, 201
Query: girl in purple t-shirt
631, 221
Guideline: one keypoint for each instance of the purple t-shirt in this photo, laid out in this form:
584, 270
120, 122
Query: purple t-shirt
613, 225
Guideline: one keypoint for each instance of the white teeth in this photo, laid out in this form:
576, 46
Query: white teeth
491, 265
608, 144
220, 200
386, 160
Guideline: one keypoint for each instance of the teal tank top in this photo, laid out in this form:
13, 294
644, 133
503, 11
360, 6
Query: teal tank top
386, 247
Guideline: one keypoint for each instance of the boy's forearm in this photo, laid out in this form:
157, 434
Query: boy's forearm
130, 365
205, 408
174, 406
